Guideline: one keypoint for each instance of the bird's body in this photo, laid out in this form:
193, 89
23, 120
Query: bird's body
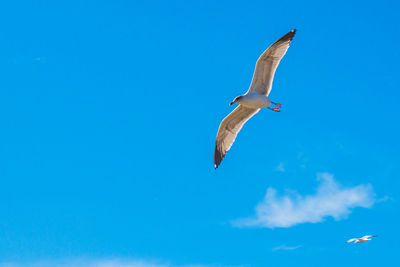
361, 239
255, 98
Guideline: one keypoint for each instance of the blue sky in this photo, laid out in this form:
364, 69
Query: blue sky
110, 111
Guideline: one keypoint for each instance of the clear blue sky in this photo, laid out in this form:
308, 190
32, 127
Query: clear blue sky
109, 112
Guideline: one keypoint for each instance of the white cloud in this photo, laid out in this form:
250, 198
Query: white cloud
83, 263
281, 167
284, 247
96, 263
330, 200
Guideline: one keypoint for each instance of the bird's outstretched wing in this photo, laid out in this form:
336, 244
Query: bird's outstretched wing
367, 236
228, 129
268, 62
351, 240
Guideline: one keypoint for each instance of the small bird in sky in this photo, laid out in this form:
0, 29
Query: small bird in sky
361, 239
255, 98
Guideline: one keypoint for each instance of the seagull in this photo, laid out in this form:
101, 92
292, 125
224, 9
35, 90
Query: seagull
361, 239
254, 99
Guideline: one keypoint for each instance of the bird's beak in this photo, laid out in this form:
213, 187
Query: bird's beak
230, 104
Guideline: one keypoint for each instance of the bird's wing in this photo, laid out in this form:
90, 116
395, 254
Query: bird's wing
351, 240
228, 129
268, 62
367, 236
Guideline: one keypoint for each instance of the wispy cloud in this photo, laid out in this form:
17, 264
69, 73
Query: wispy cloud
83, 263
96, 263
281, 167
284, 247
330, 200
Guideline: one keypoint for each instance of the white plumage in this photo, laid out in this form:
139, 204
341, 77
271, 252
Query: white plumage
361, 239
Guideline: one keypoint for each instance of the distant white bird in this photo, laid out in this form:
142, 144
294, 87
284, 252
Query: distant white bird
361, 239
255, 98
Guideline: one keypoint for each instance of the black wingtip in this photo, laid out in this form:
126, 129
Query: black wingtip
287, 37
218, 157
217, 161
291, 33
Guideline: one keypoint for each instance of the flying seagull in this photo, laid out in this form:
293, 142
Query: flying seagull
361, 239
255, 98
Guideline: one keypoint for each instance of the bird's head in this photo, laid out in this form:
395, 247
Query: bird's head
236, 100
